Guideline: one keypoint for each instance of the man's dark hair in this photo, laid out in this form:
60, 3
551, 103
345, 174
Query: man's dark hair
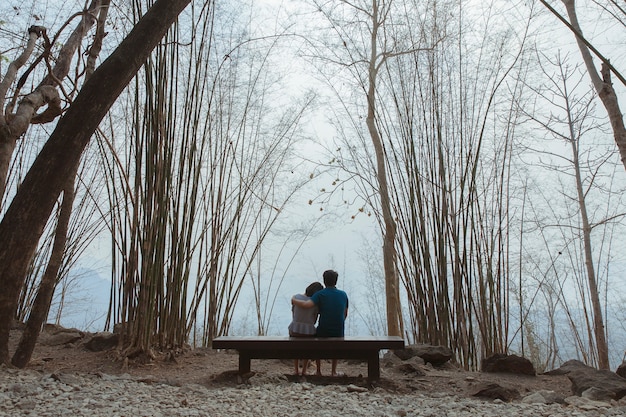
313, 288
330, 278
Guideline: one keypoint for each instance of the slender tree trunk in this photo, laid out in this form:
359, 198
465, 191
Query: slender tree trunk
603, 84
598, 321
41, 306
392, 287
25, 219
607, 94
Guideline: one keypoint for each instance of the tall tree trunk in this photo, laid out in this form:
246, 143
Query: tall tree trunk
598, 320
25, 219
606, 92
603, 84
392, 287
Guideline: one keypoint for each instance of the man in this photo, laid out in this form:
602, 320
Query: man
333, 309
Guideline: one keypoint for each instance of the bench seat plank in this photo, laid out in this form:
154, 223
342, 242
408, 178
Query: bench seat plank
285, 347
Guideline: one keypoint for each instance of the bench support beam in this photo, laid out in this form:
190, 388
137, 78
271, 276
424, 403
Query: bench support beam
244, 363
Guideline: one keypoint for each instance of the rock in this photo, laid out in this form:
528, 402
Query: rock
534, 398
511, 364
65, 379
55, 329
585, 403
597, 394
62, 338
586, 377
416, 362
404, 354
102, 341
621, 370
408, 368
435, 355
356, 388
552, 397
568, 367
495, 391
543, 397
390, 360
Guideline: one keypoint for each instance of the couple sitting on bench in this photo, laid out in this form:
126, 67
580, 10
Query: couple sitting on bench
305, 341
330, 304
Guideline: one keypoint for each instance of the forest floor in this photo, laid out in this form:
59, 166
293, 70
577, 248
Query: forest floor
215, 369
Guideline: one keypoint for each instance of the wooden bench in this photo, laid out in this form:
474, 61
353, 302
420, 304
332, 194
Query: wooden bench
284, 347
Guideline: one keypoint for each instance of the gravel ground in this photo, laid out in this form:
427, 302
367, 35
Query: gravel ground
33, 393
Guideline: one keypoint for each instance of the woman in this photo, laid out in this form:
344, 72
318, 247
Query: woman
303, 323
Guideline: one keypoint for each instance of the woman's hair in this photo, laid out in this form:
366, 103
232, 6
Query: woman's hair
330, 278
313, 288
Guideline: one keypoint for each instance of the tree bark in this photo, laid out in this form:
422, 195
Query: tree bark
13, 126
41, 305
25, 219
45, 292
603, 84
8, 140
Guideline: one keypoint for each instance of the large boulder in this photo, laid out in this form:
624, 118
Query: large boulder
591, 383
435, 355
511, 364
597, 384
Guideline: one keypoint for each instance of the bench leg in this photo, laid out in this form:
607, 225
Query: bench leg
244, 363
373, 367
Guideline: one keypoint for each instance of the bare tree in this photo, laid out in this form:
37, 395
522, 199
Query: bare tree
368, 20
570, 121
601, 81
25, 218
379, 14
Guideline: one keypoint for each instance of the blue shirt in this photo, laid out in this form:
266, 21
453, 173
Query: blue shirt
332, 304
